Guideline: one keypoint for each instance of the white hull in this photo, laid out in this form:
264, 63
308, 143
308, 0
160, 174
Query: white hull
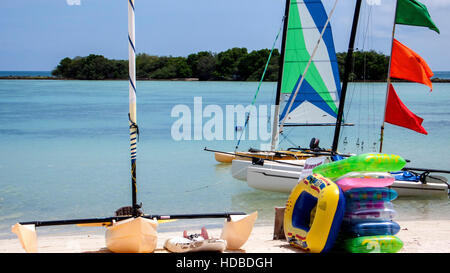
405, 188
239, 168
269, 179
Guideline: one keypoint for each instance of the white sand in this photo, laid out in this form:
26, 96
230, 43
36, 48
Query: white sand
417, 236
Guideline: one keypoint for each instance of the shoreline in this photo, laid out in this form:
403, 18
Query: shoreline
418, 236
435, 80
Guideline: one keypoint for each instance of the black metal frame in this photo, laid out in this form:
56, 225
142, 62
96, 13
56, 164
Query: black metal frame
110, 220
348, 65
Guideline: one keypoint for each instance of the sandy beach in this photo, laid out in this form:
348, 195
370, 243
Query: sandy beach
430, 236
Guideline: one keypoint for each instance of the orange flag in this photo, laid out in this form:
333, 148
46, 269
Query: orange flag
408, 65
398, 114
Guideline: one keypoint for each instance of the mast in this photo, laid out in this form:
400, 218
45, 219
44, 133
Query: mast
134, 130
388, 78
348, 63
275, 131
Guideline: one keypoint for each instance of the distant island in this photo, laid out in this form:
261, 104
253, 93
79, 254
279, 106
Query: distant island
235, 64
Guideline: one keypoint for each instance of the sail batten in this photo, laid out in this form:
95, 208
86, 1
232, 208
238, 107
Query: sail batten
309, 34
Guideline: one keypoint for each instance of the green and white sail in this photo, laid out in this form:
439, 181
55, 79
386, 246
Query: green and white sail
310, 69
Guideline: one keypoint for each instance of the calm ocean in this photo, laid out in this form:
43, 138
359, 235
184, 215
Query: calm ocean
65, 149
26, 73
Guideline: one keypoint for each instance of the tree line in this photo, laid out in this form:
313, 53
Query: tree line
235, 64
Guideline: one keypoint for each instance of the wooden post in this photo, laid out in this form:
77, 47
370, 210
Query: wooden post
278, 229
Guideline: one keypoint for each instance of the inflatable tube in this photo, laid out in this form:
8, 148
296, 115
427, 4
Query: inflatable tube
361, 163
374, 244
371, 228
380, 175
349, 183
313, 214
370, 194
363, 211
368, 205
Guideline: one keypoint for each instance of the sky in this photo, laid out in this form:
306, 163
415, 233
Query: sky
37, 34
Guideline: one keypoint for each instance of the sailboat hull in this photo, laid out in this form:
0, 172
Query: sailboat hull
223, 158
134, 235
239, 168
418, 189
275, 155
276, 180
237, 230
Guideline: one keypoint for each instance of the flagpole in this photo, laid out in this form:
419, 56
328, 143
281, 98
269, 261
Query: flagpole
388, 78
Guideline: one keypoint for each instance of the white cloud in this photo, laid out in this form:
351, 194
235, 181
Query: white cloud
73, 2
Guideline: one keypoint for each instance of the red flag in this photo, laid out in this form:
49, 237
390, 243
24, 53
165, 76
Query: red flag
408, 65
398, 114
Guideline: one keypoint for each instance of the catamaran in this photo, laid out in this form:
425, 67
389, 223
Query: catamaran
412, 181
311, 71
130, 230
309, 78
308, 64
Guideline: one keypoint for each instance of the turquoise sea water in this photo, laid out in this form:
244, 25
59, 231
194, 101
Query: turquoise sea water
64, 149
441, 74
437, 74
26, 73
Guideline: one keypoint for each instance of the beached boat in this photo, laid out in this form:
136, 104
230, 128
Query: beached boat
130, 230
276, 180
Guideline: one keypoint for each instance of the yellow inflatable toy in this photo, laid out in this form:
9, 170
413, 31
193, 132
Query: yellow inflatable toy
314, 213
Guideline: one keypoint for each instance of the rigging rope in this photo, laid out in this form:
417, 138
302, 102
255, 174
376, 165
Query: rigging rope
259, 84
133, 125
356, 95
